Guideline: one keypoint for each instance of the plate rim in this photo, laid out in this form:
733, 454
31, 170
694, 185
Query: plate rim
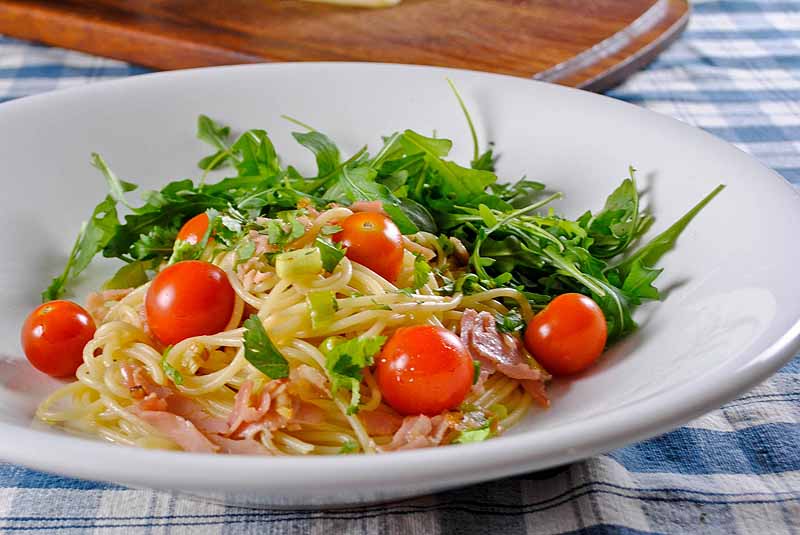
508, 454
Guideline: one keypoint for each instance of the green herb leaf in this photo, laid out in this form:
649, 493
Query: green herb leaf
325, 151
261, 352
351, 446
345, 363
130, 275
332, 253
93, 236
422, 271
476, 373
649, 254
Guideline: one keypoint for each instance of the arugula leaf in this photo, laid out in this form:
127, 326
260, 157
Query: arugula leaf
511, 322
216, 136
258, 156
159, 242
260, 351
130, 275
476, 371
332, 253
116, 187
93, 236
613, 229
169, 370
649, 254
422, 270
345, 363
638, 284
325, 151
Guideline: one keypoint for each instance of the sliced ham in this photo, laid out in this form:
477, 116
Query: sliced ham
304, 412
494, 350
538, 392
380, 422
97, 302
163, 398
245, 446
368, 206
500, 352
179, 430
244, 410
418, 432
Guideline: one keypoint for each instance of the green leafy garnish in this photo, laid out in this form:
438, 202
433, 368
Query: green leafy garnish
130, 275
92, 238
261, 352
514, 236
345, 362
351, 446
331, 253
422, 271
476, 371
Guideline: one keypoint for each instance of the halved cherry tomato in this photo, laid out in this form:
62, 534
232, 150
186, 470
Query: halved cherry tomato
190, 298
568, 335
424, 370
54, 335
373, 240
193, 230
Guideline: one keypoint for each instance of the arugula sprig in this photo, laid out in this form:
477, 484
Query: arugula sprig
514, 238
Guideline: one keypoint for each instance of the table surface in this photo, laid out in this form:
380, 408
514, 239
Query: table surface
736, 74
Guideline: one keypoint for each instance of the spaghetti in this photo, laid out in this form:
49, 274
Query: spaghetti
206, 384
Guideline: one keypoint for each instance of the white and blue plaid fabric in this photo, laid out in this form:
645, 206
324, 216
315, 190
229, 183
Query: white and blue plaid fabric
735, 73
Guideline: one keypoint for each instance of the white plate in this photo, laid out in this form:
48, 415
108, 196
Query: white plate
729, 320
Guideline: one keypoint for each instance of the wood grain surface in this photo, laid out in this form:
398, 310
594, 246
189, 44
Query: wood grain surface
583, 43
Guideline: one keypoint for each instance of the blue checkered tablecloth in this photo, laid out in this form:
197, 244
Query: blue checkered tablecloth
735, 73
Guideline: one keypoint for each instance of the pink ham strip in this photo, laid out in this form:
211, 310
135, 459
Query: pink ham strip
418, 432
380, 422
243, 411
306, 413
501, 352
368, 206
96, 302
246, 446
172, 401
179, 430
493, 350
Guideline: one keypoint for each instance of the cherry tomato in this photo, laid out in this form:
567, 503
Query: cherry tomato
568, 335
53, 337
374, 241
193, 230
189, 298
424, 370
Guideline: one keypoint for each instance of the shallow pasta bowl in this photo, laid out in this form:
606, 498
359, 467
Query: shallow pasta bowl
729, 318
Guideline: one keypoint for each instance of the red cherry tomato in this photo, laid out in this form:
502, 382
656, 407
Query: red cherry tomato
424, 370
374, 241
568, 335
53, 337
190, 298
193, 230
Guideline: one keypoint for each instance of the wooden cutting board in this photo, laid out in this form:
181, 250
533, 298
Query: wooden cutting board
592, 44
